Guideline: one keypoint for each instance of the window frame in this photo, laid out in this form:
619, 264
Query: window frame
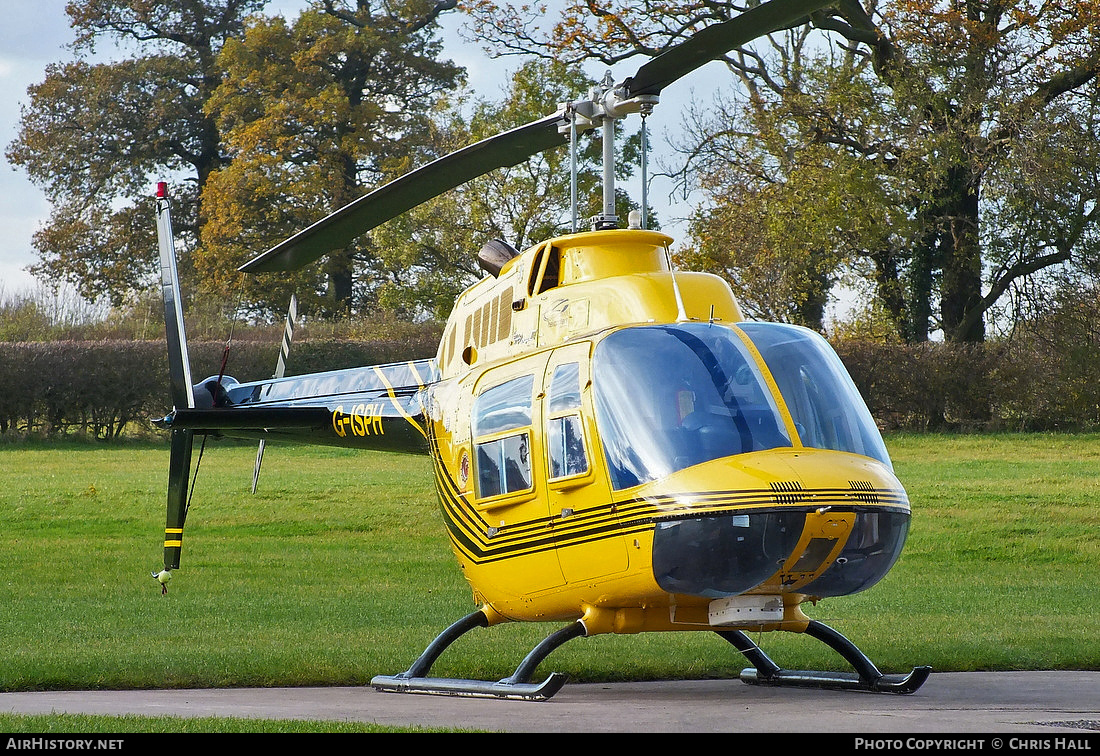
570, 413
514, 396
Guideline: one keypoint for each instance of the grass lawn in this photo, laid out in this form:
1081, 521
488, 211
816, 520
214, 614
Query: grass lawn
338, 569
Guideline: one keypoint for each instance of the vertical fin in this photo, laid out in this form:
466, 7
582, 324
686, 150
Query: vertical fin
179, 364
179, 475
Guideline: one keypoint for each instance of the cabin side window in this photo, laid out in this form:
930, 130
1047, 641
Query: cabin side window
564, 431
502, 438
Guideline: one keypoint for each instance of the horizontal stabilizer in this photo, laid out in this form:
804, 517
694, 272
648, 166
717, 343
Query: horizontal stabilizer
255, 419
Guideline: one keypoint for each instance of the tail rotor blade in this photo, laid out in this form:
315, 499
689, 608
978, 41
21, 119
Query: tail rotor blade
288, 336
179, 371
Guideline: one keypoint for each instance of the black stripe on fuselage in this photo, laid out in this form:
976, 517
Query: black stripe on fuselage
482, 543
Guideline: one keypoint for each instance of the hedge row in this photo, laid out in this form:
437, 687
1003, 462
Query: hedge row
100, 388
1019, 385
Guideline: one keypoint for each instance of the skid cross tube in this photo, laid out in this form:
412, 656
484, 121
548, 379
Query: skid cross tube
516, 686
866, 677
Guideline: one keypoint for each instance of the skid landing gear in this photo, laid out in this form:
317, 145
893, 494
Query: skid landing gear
517, 686
866, 677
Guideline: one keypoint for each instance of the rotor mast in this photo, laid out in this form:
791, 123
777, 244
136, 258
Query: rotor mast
605, 105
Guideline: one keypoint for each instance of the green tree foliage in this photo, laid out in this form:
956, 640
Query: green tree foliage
315, 113
95, 136
263, 126
434, 246
325, 107
947, 150
785, 216
976, 97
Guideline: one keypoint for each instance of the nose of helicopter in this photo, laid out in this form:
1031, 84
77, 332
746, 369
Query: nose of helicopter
820, 523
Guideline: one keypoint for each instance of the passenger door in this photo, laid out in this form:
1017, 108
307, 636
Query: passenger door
584, 521
508, 478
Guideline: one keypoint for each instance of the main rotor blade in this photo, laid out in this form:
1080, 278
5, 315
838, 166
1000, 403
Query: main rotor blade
513, 147
716, 40
341, 227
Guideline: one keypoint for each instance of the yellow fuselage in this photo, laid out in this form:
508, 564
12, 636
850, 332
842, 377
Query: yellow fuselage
543, 527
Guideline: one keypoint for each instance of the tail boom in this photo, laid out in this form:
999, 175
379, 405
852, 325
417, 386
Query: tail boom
377, 407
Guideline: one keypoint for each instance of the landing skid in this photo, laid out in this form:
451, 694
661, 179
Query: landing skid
866, 677
517, 686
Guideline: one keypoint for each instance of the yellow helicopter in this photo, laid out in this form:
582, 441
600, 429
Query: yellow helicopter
615, 447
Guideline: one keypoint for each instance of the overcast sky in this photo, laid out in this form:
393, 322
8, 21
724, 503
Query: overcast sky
34, 33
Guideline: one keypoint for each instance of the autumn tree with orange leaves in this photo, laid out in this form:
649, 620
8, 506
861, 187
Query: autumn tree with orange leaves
261, 127
316, 112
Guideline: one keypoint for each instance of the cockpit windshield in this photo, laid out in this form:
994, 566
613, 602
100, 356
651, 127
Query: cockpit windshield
827, 409
668, 397
672, 396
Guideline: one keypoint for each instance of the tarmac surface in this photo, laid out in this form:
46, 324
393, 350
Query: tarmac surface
1053, 706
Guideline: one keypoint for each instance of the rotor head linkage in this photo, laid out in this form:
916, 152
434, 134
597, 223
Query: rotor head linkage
606, 104
607, 101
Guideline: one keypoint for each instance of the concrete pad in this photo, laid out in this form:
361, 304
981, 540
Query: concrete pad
1049, 704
